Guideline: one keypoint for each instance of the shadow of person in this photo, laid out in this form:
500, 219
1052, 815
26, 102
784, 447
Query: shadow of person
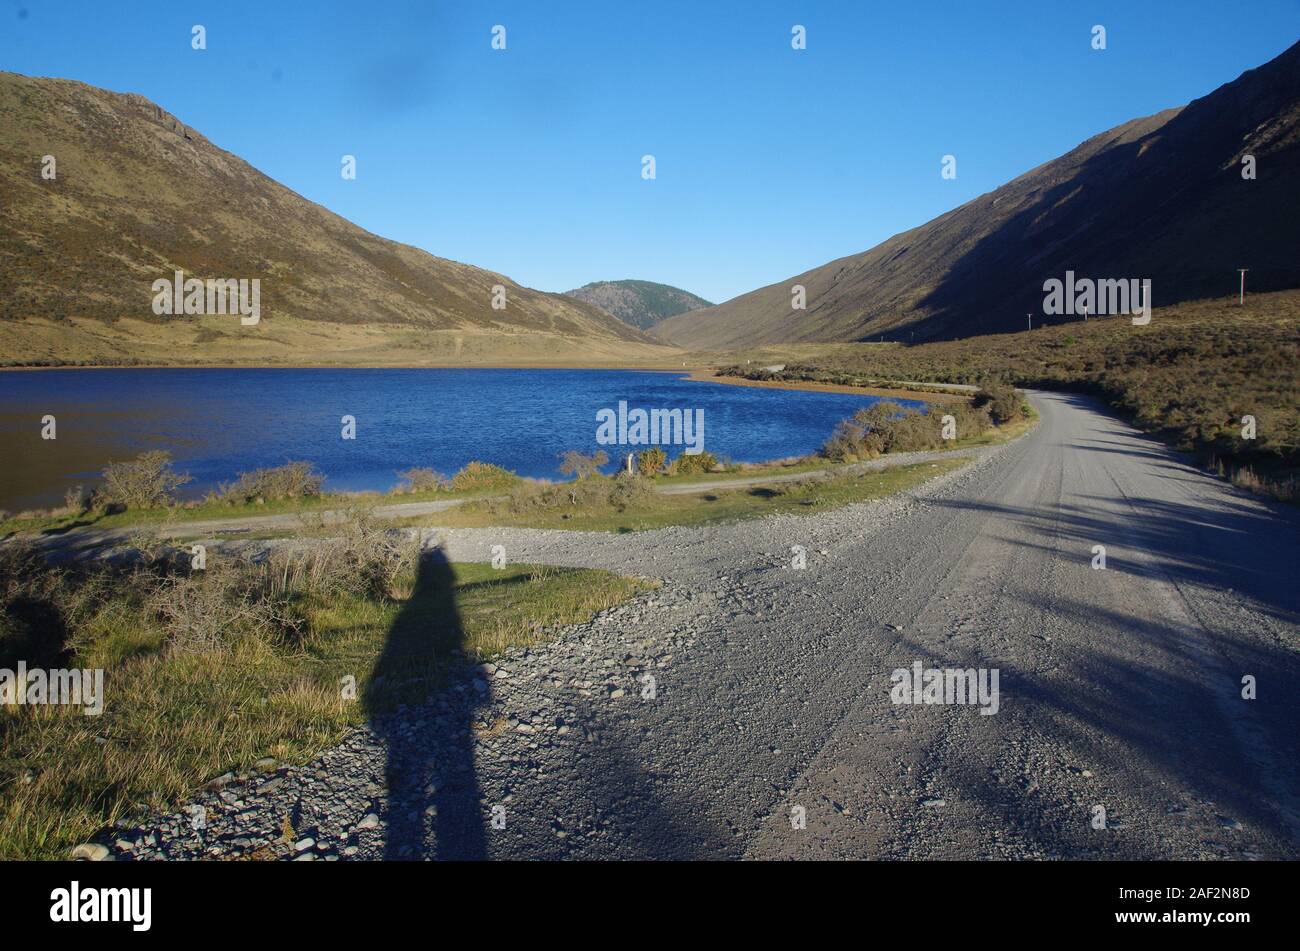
434, 805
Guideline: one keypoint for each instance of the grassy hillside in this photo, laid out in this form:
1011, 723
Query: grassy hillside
137, 195
1189, 376
641, 304
1159, 198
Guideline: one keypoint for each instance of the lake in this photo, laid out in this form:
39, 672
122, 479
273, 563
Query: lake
220, 422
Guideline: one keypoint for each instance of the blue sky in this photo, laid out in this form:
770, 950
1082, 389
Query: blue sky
528, 161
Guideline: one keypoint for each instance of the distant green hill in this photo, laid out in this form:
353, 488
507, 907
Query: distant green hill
641, 304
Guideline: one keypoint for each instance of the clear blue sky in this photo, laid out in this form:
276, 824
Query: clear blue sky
527, 161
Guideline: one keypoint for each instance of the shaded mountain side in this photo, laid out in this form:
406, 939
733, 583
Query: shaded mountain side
1159, 198
642, 304
138, 195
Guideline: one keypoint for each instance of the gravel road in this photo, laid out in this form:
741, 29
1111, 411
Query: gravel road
770, 731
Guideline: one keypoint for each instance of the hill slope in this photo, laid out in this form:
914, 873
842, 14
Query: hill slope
138, 195
642, 304
1159, 198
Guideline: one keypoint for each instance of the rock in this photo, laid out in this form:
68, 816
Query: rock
90, 852
302, 845
371, 821
934, 803
265, 764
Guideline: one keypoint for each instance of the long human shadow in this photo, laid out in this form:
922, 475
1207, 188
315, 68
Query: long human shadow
432, 784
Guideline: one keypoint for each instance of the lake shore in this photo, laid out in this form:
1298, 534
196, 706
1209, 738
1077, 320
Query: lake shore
710, 375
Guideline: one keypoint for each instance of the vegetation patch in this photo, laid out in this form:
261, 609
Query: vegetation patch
209, 671
1189, 377
630, 503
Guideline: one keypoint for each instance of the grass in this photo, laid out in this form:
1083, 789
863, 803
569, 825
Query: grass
1188, 377
174, 719
707, 507
200, 511
474, 485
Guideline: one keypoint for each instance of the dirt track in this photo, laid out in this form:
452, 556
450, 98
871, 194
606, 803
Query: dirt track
1119, 688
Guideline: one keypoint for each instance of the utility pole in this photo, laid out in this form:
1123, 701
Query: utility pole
1241, 296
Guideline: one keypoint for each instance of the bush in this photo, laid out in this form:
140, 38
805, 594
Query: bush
145, 482
1001, 400
422, 480
579, 466
74, 500
591, 494
629, 490
210, 610
293, 480
651, 462
365, 559
482, 477
692, 465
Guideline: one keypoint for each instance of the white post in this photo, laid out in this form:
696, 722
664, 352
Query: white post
1241, 295
1031, 321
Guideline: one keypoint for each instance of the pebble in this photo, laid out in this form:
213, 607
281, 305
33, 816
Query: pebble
90, 852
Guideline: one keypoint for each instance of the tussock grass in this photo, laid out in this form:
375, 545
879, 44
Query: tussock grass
207, 672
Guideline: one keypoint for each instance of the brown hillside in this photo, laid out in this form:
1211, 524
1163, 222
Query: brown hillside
138, 194
1160, 198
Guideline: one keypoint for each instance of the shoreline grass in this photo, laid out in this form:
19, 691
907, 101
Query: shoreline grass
601, 511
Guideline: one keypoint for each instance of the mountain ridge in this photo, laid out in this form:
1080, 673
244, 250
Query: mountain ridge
138, 194
1158, 197
641, 304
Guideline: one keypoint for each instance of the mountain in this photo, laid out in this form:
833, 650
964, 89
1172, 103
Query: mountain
137, 195
641, 304
1161, 198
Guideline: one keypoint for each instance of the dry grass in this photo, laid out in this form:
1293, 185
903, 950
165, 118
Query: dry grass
207, 672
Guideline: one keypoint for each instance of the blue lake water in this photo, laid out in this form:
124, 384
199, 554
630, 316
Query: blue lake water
219, 422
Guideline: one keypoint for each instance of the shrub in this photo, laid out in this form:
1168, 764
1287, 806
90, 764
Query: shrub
74, 500
146, 481
589, 494
888, 427
1001, 400
422, 480
293, 480
629, 490
365, 559
482, 477
579, 466
210, 610
651, 461
692, 465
